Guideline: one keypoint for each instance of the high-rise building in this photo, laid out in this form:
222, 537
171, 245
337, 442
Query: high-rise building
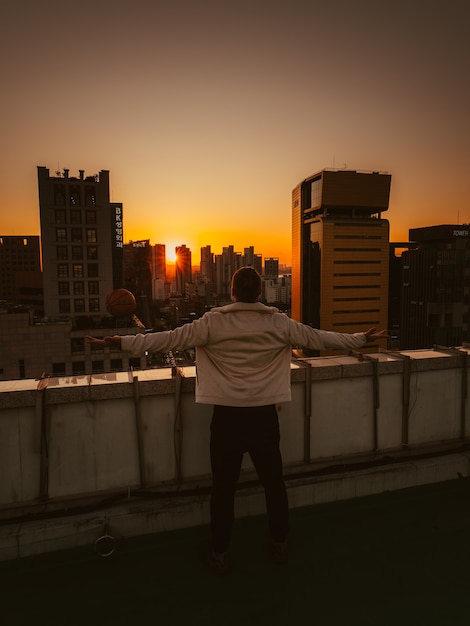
159, 271
253, 260
271, 267
226, 265
20, 271
82, 240
207, 268
436, 287
340, 250
137, 276
183, 268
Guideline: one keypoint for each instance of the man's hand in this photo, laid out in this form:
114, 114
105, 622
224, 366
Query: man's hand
373, 335
114, 341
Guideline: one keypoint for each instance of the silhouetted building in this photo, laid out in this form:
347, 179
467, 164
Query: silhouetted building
137, 270
159, 272
271, 267
183, 268
82, 240
226, 265
340, 250
250, 258
435, 287
20, 272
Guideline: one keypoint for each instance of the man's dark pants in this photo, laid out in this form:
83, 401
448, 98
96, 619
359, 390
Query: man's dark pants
234, 431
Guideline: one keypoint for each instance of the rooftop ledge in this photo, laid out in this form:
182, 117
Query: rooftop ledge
358, 424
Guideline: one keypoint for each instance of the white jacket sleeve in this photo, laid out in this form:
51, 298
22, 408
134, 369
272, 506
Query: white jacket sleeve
303, 336
181, 338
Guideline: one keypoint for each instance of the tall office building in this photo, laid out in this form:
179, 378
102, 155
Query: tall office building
207, 268
271, 267
340, 250
184, 272
225, 266
436, 287
253, 260
20, 271
82, 239
159, 271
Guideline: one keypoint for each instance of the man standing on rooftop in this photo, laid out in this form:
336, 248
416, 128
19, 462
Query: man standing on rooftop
243, 355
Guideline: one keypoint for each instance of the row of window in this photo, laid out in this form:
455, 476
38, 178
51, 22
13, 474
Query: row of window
77, 252
76, 235
78, 287
79, 305
75, 216
77, 270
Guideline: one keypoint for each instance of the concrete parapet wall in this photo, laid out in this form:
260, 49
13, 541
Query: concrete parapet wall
74, 439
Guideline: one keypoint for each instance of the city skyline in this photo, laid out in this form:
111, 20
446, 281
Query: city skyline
207, 115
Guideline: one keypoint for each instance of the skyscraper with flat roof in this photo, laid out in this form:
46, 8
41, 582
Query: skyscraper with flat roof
340, 250
82, 239
436, 287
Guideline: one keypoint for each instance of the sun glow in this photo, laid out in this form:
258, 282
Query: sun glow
170, 253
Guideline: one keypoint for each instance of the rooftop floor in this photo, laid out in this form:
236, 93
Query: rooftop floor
396, 558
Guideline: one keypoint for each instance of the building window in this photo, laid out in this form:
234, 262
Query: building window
78, 288
134, 362
77, 253
77, 344
60, 216
62, 270
92, 253
97, 367
78, 270
77, 235
61, 234
116, 365
58, 369
64, 289
91, 215
64, 306
78, 368
94, 305
79, 305
22, 368
75, 216
62, 254
91, 235
93, 287
92, 270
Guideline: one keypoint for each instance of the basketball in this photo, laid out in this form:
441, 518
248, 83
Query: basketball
120, 303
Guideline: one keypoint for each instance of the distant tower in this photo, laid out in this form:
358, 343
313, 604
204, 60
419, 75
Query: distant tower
82, 240
271, 267
183, 268
207, 264
225, 266
340, 250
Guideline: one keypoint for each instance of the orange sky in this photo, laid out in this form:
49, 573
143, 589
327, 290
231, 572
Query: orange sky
209, 113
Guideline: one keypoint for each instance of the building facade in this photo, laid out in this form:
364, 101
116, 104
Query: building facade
20, 271
82, 240
340, 250
435, 306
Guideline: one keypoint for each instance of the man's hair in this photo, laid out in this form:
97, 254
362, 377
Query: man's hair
246, 284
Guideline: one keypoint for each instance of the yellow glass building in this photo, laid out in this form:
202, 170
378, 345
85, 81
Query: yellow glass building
340, 250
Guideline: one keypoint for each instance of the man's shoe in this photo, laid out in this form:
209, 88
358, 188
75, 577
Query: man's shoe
279, 552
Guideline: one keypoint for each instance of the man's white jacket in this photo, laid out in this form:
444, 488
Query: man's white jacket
243, 351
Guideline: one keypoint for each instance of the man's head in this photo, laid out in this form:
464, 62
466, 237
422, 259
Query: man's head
246, 285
